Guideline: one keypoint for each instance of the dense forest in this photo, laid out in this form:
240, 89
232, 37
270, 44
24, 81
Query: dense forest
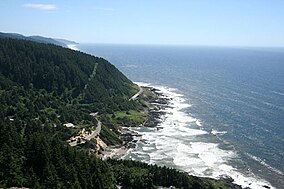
43, 86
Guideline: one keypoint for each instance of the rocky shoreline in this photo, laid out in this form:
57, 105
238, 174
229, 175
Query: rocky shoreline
154, 118
130, 137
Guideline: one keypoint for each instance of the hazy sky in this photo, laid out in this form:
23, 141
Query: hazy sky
181, 22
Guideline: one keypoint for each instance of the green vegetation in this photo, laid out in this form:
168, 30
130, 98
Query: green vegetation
40, 160
44, 86
52, 85
128, 118
132, 174
66, 75
146, 96
109, 137
41, 88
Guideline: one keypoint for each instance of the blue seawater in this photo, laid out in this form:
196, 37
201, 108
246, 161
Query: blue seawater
235, 95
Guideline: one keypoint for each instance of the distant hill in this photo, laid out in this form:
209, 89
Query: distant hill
67, 42
12, 35
46, 40
39, 39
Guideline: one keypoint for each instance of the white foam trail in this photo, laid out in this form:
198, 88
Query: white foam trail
73, 47
130, 66
176, 143
198, 123
148, 148
215, 132
279, 93
265, 164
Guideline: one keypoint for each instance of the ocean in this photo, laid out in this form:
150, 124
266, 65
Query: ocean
226, 114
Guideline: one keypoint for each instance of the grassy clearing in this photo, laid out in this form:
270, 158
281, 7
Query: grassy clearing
148, 93
130, 118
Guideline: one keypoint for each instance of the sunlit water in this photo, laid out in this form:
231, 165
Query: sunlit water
227, 109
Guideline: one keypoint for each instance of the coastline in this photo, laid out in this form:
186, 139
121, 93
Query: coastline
131, 137
73, 47
243, 179
155, 117
165, 110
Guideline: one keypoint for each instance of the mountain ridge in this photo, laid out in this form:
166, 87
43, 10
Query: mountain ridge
39, 39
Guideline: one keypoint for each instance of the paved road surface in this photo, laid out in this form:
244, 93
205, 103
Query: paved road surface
96, 133
89, 137
134, 97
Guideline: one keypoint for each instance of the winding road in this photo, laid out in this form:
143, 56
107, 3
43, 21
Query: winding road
134, 97
94, 134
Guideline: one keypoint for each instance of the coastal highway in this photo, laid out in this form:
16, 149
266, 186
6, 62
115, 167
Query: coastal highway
134, 97
95, 133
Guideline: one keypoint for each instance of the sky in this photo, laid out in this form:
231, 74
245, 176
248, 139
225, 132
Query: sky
163, 22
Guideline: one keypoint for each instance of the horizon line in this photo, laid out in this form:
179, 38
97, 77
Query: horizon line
179, 45
152, 44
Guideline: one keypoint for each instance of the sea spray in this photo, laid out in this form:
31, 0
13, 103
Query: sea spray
183, 144
234, 90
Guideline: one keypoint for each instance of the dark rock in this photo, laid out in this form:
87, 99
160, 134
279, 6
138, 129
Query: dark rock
228, 182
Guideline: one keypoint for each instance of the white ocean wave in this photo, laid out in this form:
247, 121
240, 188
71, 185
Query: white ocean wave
215, 132
265, 164
73, 47
198, 123
196, 157
279, 93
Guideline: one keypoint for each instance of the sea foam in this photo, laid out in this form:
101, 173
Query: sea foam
73, 47
178, 144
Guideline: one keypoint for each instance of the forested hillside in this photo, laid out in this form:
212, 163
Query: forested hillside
44, 86
72, 76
